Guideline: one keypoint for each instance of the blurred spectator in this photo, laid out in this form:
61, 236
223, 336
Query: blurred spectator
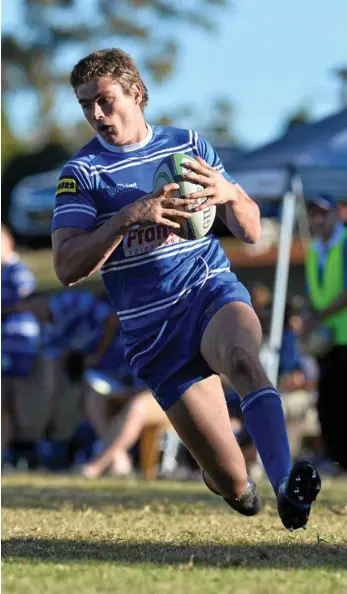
75, 324
141, 412
261, 298
111, 386
326, 278
297, 385
342, 209
20, 337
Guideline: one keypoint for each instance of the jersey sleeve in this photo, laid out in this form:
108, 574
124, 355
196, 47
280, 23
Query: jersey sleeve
206, 151
24, 281
74, 202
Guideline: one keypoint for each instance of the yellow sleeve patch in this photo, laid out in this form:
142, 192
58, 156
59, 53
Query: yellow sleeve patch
67, 185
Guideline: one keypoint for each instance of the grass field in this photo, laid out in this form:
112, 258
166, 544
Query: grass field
41, 263
64, 535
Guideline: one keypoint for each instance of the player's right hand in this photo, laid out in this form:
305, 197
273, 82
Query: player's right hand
162, 207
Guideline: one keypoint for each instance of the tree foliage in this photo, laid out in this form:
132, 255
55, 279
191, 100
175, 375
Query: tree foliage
36, 54
219, 128
297, 118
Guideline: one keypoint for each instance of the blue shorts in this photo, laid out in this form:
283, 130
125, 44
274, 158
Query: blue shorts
167, 357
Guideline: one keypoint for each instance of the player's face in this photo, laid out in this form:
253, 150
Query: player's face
116, 116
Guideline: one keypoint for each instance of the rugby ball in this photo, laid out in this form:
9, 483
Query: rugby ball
170, 170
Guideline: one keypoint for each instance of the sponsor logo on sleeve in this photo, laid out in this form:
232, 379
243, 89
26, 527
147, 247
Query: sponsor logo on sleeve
67, 185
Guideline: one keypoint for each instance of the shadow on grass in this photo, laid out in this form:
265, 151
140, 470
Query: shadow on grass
127, 496
287, 556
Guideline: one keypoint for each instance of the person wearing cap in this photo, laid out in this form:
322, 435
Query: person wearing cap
326, 280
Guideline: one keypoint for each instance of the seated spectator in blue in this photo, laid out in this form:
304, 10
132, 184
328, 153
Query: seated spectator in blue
110, 385
119, 407
291, 356
75, 323
20, 338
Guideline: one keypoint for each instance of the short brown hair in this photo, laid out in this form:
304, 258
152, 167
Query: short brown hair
112, 62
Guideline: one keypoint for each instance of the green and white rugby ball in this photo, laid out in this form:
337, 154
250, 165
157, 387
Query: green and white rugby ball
170, 170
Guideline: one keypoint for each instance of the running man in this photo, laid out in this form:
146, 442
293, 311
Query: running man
185, 316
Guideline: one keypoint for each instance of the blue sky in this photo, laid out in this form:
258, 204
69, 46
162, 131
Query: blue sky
269, 57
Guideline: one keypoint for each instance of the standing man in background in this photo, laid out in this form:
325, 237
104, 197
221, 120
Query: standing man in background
326, 279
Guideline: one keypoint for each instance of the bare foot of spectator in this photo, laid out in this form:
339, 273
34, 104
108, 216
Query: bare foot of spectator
91, 471
121, 465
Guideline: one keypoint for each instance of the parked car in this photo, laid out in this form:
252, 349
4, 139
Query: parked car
31, 207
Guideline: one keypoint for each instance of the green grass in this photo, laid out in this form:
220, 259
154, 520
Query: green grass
64, 535
41, 264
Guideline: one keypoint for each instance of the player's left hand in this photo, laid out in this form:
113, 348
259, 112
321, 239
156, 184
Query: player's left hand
217, 189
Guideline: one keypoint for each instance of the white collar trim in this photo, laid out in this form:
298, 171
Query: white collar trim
127, 148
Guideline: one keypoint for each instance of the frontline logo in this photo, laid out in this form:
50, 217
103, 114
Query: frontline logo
146, 239
120, 188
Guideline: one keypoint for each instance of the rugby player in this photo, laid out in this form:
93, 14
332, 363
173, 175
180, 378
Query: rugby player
185, 316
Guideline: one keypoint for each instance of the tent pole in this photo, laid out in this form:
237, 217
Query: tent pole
281, 279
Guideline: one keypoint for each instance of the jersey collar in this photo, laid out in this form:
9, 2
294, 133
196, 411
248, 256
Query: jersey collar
127, 148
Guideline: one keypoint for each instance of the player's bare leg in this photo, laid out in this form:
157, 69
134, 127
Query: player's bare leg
230, 345
201, 419
232, 342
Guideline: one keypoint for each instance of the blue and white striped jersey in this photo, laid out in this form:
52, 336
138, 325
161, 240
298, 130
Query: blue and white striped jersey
149, 275
78, 322
20, 332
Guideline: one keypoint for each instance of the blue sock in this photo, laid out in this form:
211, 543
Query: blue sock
264, 420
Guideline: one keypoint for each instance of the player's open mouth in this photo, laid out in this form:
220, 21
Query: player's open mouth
106, 129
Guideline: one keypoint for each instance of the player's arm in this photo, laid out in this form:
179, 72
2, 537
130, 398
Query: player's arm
241, 215
236, 209
78, 253
79, 249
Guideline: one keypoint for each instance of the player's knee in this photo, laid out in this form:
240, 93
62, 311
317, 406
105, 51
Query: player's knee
242, 363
